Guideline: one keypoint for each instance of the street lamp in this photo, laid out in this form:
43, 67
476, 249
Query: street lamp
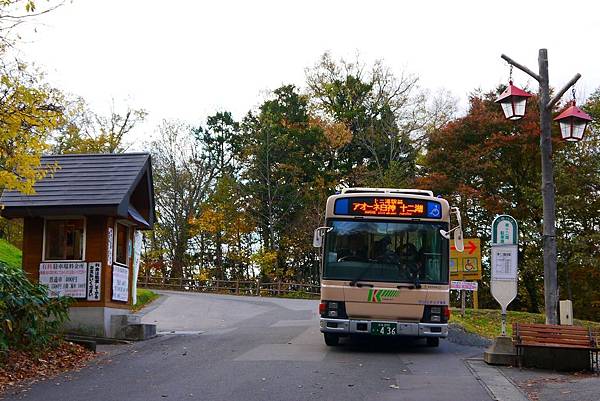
572, 124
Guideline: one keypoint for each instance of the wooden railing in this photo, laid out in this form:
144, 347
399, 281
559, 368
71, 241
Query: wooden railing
237, 287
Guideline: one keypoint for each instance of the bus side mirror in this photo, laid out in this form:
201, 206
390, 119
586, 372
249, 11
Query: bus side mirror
319, 234
459, 243
318, 238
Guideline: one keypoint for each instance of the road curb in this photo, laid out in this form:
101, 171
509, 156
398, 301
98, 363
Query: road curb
493, 380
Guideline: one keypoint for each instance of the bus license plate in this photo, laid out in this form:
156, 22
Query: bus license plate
384, 329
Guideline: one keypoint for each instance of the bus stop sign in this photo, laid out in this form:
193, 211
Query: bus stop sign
504, 257
505, 231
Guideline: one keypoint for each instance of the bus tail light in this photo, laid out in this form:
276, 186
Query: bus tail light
436, 314
333, 309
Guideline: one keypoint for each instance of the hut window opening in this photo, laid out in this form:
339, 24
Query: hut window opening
121, 244
64, 239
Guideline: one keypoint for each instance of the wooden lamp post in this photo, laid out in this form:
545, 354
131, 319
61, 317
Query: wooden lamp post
572, 121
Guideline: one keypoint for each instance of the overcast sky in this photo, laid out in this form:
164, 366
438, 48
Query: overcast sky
185, 59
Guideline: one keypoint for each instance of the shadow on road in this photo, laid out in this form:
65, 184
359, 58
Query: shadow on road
384, 345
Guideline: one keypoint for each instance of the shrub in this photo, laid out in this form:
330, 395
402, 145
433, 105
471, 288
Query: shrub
29, 319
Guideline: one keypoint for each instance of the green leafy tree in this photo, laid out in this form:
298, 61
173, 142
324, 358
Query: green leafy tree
282, 162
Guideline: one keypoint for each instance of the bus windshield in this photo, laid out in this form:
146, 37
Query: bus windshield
386, 251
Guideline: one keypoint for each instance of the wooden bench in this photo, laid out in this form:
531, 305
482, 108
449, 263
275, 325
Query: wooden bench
580, 340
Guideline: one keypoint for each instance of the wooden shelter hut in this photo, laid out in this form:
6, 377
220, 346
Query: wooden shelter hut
81, 234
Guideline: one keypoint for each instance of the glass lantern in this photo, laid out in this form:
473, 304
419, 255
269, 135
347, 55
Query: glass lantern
573, 122
513, 101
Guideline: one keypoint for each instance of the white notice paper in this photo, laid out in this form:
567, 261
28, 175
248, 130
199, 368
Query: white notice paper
67, 279
504, 262
120, 283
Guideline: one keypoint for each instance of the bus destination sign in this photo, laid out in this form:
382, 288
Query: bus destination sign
392, 207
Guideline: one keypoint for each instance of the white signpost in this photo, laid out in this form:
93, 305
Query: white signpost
505, 271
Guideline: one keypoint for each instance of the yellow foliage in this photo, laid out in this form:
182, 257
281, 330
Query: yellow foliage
267, 261
28, 114
337, 134
211, 221
204, 275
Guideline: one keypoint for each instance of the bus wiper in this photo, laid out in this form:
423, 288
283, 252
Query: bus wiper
415, 284
359, 276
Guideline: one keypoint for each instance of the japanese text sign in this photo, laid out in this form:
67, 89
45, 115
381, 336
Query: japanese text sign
64, 278
392, 207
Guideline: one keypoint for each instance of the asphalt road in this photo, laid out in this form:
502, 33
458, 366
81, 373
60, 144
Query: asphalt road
246, 348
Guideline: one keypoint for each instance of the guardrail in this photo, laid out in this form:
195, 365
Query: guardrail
237, 287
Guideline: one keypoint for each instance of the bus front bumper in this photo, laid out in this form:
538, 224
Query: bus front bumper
409, 329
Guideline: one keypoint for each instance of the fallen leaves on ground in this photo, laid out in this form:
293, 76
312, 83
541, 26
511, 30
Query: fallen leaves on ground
20, 367
532, 387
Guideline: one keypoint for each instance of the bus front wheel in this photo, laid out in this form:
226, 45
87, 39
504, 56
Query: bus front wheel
433, 341
331, 339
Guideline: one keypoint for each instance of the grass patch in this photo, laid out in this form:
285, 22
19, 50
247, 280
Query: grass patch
144, 297
299, 295
10, 254
488, 322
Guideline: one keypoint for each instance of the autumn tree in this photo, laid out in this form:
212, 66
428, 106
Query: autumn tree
16, 12
386, 115
222, 214
577, 172
182, 179
90, 132
29, 109
224, 219
488, 165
